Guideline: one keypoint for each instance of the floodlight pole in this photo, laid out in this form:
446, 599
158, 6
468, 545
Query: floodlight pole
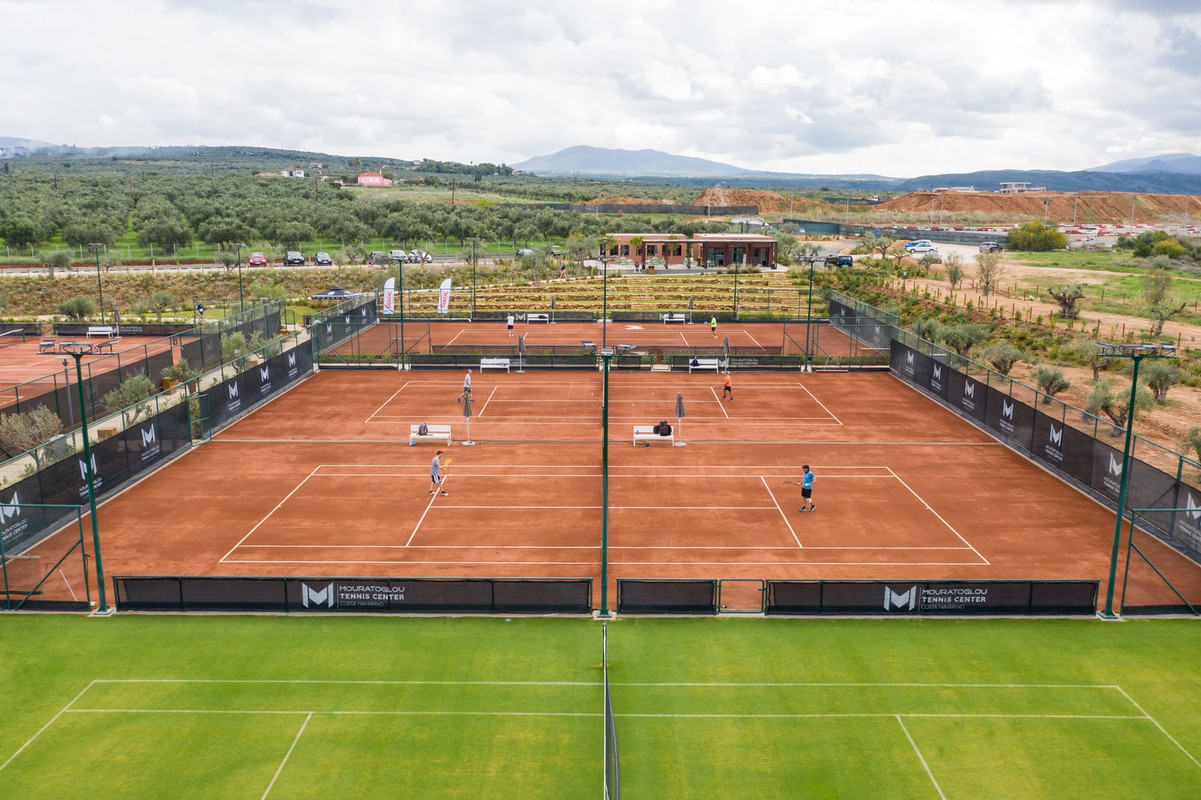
400, 277
90, 477
1136, 353
808, 315
95, 248
604, 587
604, 305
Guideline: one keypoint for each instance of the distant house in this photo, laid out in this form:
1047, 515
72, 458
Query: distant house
703, 249
373, 179
292, 172
1020, 187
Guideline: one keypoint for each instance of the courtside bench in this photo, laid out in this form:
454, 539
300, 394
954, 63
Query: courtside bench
672, 317
537, 318
494, 363
646, 433
100, 330
433, 433
705, 363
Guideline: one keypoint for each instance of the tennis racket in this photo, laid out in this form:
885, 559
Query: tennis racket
792, 483
446, 462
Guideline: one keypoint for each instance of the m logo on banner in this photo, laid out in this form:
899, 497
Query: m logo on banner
969, 389
233, 391
1191, 508
1056, 436
1007, 409
938, 372
149, 436
901, 601
10, 509
1115, 466
909, 357
264, 374
319, 597
291, 359
83, 468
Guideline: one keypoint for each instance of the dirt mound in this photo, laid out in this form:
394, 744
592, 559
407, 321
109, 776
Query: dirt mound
1108, 208
767, 202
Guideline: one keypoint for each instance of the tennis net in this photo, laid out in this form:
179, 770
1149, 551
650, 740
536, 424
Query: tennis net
612, 767
9, 338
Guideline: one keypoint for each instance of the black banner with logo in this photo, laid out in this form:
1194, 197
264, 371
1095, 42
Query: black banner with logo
932, 598
356, 595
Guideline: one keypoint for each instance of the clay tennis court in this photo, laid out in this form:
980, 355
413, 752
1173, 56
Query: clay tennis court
322, 482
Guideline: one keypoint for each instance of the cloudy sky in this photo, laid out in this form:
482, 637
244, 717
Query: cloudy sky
873, 86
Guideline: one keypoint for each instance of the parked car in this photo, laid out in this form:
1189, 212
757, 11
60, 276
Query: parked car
990, 247
376, 257
256, 260
294, 258
322, 259
836, 260
398, 255
921, 246
523, 252
419, 257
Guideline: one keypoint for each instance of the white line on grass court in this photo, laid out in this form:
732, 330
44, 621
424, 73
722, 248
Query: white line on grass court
921, 758
42, 729
287, 755
1155, 722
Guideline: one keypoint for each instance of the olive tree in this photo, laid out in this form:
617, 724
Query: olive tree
1050, 381
1115, 405
1067, 297
27, 431
989, 272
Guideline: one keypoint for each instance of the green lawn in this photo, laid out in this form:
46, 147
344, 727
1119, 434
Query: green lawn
212, 706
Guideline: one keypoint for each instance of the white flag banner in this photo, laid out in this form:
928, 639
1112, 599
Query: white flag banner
390, 296
444, 297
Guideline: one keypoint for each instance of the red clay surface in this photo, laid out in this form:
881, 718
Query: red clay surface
321, 482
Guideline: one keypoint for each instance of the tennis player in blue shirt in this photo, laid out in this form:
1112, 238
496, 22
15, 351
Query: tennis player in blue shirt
807, 489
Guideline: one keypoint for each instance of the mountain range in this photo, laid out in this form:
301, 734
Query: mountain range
1173, 173
1170, 174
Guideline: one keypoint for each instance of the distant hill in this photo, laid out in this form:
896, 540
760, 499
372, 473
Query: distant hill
599, 161
1184, 163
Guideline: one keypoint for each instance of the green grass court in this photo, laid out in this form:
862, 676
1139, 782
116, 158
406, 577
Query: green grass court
297, 707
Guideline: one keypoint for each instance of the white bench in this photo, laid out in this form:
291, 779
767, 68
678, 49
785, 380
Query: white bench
537, 317
433, 433
99, 330
705, 363
672, 317
494, 363
646, 433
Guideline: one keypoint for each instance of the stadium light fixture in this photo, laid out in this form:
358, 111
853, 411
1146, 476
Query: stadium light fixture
77, 350
1136, 353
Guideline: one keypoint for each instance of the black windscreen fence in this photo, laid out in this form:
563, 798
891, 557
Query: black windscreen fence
356, 595
644, 596
932, 598
1078, 447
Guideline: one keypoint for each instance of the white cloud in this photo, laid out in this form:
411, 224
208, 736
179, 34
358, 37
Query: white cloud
790, 85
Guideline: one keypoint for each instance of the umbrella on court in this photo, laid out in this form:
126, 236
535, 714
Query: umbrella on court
520, 351
467, 415
726, 355
679, 442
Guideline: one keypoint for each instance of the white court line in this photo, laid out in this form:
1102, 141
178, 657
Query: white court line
1155, 722
287, 755
457, 335
753, 339
42, 729
819, 402
484, 407
297, 712
719, 404
782, 514
948, 525
428, 506
351, 682
384, 404
921, 758
278, 506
